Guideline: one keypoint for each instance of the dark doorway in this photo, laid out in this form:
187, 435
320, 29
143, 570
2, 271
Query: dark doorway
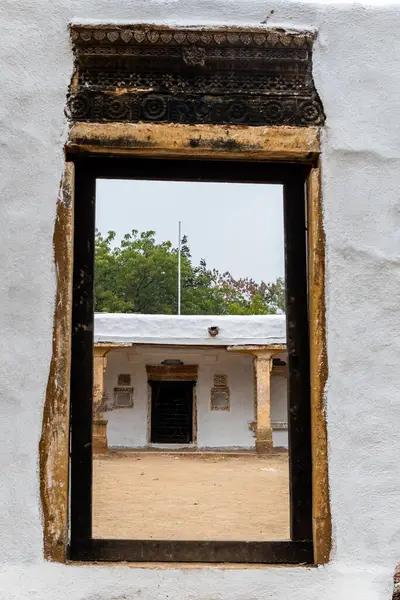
172, 412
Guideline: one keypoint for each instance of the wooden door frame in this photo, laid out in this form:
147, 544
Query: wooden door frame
194, 408
172, 373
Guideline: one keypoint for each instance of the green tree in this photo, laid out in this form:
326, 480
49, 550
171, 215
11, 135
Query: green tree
247, 297
140, 276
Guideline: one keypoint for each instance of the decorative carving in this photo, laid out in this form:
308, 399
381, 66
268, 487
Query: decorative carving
160, 74
124, 379
220, 398
220, 381
194, 55
119, 35
172, 372
123, 397
154, 108
218, 83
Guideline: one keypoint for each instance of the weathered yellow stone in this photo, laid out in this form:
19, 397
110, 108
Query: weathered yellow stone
170, 140
207, 141
54, 442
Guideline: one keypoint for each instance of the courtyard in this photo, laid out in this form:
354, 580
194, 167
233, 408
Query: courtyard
191, 496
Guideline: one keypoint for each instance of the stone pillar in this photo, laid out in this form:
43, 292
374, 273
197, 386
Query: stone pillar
99, 423
262, 360
100, 364
262, 375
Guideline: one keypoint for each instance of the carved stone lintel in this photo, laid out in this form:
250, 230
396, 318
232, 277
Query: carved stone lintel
163, 36
161, 74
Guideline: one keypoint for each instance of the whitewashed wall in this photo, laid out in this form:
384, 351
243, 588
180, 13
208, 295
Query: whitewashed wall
127, 427
356, 69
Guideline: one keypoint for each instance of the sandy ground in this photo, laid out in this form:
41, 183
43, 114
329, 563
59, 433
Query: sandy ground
190, 496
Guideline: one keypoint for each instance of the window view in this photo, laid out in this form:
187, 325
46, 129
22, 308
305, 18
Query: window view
190, 410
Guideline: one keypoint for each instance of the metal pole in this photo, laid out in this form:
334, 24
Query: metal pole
179, 268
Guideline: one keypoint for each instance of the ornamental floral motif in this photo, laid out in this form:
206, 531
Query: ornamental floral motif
310, 113
154, 108
150, 73
194, 55
237, 112
78, 107
163, 107
117, 109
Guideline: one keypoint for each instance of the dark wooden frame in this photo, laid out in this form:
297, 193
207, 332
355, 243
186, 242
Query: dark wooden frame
299, 549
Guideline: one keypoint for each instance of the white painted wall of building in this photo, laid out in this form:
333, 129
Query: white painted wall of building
127, 427
280, 439
279, 395
191, 330
356, 71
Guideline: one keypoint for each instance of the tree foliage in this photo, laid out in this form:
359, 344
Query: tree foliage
140, 276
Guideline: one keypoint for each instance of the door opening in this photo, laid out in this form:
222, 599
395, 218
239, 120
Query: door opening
172, 412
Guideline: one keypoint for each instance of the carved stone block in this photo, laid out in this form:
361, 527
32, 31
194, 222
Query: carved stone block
219, 76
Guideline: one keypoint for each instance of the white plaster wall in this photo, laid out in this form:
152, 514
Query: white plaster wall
279, 398
189, 329
280, 439
227, 428
127, 427
356, 68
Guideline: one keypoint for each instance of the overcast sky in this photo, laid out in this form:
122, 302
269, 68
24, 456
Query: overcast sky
235, 227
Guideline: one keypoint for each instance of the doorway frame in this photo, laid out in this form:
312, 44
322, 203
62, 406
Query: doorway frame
192, 444
291, 144
172, 373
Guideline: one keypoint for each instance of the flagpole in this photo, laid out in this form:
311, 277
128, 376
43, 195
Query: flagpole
179, 268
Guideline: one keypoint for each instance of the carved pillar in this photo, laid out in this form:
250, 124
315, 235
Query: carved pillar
262, 374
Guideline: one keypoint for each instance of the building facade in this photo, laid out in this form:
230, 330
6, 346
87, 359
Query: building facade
199, 382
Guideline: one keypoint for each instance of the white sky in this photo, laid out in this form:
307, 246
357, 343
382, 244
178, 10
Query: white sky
235, 227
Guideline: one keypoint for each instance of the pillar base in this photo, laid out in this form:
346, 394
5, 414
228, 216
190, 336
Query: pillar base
264, 446
100, 445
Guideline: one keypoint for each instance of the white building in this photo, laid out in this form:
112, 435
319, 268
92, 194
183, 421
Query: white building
189, 381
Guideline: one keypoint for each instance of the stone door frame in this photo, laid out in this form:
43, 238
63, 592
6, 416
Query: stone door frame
269, 140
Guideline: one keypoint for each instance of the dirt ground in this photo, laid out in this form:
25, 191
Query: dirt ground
191, 496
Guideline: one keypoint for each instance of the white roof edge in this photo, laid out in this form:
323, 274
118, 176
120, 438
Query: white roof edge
127, 328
